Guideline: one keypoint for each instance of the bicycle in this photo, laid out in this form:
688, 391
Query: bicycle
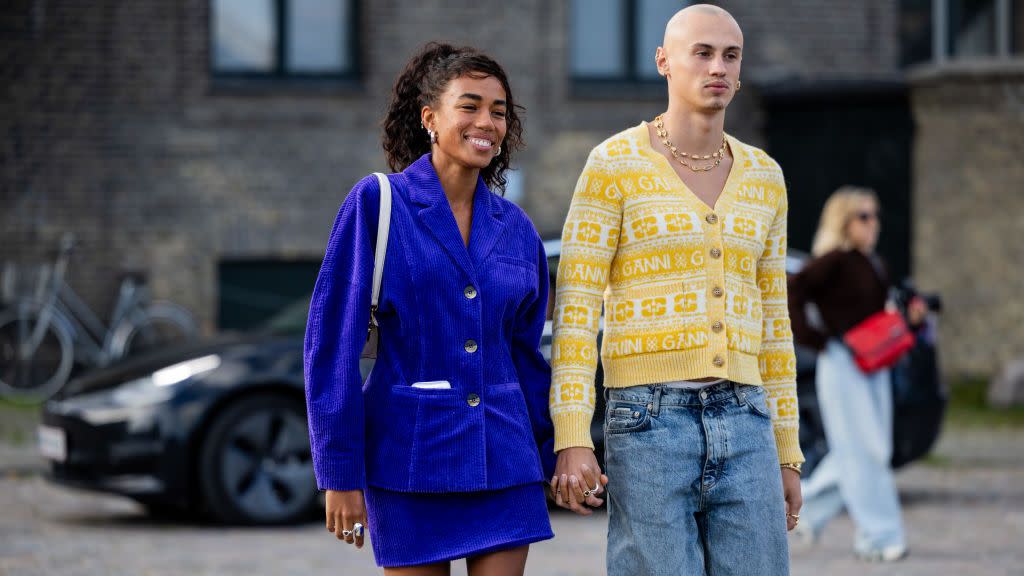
44, 334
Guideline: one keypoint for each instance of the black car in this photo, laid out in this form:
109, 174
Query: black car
220, 427
216, 427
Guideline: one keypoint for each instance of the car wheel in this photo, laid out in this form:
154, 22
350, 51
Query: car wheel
255, 464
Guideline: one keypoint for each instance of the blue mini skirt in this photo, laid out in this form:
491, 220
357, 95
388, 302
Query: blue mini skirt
410, 529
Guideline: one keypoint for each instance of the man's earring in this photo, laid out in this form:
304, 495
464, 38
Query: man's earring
738, 85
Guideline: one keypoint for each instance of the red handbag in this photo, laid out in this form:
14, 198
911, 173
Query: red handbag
879, 341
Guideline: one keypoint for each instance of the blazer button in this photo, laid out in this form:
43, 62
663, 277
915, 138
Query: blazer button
470, 292
473, 400
712, 218
717, 292
717, 326
716, 253
471, 346
718, 361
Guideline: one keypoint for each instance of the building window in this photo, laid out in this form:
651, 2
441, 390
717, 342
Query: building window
972, 28
283, 38
940, 30
615, 40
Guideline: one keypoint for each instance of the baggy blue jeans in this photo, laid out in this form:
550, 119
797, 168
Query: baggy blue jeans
694, 483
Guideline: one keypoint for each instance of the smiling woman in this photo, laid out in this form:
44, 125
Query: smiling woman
443, 452
444, 79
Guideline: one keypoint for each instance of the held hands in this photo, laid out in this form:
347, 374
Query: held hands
578, 480
346, 515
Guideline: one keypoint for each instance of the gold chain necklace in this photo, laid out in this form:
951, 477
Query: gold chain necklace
659, 124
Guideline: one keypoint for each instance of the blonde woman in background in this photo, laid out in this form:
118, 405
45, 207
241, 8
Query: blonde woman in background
847, 281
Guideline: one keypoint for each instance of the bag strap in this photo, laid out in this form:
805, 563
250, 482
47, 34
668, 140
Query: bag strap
383, 228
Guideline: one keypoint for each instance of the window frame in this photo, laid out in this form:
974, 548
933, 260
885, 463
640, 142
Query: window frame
280, 74
943, 48
630, 82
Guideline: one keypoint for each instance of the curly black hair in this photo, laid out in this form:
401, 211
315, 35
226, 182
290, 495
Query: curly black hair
421, 83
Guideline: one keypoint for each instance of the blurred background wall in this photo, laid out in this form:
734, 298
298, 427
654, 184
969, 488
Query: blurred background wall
208, 143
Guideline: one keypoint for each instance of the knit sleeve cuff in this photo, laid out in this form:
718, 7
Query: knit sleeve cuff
572, 429
787, 442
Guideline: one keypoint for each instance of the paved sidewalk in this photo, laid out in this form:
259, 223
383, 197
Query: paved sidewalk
965, 515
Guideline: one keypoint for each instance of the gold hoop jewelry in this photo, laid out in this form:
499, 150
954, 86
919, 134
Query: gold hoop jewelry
738, 85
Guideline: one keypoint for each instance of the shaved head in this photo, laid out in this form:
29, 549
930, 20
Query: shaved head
692, 19
701, 57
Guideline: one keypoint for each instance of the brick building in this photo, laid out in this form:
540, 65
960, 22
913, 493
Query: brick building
209, 142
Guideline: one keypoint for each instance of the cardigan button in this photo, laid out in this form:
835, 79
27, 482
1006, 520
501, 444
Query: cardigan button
470, 292
712, 218
717, 292
716, 253
473, 400
718, 361
717, 326
471, 346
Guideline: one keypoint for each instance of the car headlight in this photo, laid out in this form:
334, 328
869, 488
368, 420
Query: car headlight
157, 387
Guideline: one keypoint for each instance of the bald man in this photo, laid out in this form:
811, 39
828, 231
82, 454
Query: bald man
677, 231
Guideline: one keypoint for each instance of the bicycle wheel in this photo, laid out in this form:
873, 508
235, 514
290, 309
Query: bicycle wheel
32, 370
153, 327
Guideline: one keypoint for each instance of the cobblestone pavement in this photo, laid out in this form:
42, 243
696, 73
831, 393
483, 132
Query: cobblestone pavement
964, 513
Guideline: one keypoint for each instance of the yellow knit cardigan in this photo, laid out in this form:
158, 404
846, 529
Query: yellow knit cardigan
688, 291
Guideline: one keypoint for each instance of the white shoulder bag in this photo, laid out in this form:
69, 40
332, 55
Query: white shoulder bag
383, 227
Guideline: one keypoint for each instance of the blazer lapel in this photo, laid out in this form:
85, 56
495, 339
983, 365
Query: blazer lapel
425, 190
487, 227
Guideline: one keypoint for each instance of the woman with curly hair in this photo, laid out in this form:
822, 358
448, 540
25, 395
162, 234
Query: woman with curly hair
441, 454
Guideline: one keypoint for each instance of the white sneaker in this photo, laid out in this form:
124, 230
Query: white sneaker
885, 554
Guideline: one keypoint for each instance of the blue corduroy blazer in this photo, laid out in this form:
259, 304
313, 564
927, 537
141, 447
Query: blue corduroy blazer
470, 315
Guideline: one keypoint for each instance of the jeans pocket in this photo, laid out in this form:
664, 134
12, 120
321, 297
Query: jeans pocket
757, 400
623, 417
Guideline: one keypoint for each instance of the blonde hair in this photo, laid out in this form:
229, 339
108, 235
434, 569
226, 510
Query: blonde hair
835, 216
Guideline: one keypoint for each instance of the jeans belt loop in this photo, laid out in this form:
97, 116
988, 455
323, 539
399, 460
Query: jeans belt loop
656, 402
736, 389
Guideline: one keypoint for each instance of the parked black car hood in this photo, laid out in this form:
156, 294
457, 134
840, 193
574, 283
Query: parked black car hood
139, 366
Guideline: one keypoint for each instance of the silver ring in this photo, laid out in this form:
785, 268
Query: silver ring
346, 533
358, 530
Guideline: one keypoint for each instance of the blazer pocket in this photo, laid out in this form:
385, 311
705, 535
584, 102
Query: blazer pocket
516, 262
441, 431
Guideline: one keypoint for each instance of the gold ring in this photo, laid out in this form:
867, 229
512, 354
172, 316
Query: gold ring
587, 493
793, 516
